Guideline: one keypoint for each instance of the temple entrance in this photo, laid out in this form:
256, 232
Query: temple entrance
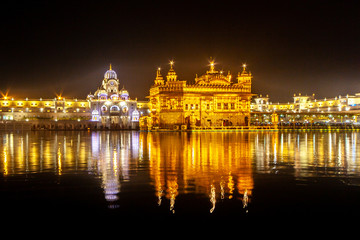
227, 122
246, 121
187, 121
114, 119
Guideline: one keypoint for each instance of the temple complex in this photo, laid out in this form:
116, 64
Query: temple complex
108, 108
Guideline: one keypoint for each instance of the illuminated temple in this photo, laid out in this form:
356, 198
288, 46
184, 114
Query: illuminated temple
307, 109
112, 106
108, 108
215, 100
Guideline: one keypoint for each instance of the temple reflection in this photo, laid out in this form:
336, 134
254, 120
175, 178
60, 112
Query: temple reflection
112, 155
214, 164
219, 166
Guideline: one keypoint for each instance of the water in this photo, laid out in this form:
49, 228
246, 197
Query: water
217, 175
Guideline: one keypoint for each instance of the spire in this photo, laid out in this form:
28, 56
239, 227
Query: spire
110, 67
159, 80
171, 64
212, 65
245, 79
244, 69
171, 76
158, 74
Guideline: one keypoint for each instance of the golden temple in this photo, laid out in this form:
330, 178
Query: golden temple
214, 100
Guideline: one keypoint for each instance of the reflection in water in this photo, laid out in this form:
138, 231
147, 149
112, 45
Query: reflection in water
213, 164
218, 166
310, 154
111, 155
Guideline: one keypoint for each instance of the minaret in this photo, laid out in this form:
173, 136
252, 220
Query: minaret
244, 69
212, 66
245, 78
171, 76
228, 77
159, 80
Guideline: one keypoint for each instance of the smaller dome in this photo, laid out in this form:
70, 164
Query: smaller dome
110, 74
124, 94
90, 96
101, 92
114, 97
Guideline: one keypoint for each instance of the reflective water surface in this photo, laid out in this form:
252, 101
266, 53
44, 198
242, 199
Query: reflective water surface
210, 174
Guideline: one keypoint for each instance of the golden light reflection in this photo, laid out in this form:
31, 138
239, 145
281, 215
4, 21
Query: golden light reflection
5, 161
172, 192
34, 152
230, 186
59, 161
219, 166
212, 197
213, 164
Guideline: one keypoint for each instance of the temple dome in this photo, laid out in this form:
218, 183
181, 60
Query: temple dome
110, 74
124, 94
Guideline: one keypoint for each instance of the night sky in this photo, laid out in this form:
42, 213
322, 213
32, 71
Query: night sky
289, 46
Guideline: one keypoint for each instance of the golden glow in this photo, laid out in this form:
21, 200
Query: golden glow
59, 163
5, 161
212, 197
215, 165
327, 110
59, 95
213, 101
5, 95
212, 65
211, 162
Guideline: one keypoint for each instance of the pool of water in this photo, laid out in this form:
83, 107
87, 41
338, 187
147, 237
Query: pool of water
220, 175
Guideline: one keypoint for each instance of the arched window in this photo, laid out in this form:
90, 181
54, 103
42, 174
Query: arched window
114, 108
135, 116
114, 97
95, 115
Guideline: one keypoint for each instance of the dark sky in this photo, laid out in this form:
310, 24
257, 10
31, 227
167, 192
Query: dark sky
289, 46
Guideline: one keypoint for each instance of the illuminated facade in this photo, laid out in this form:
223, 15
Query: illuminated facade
44, 109
112, 106
213, 101
108, 108
303, 108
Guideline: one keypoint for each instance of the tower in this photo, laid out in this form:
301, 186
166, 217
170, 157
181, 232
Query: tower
159, 80
245, 78
171, 76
